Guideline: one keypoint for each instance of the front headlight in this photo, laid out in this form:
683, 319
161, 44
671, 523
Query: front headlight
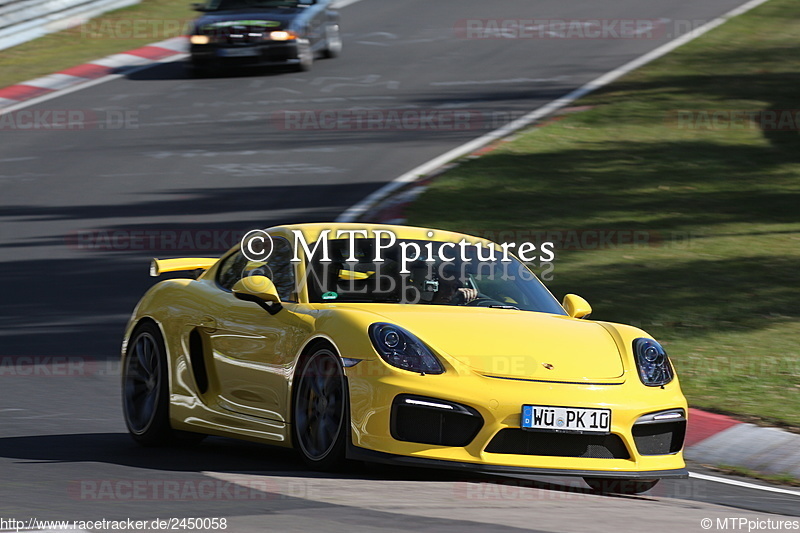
652, 362
400, 348
199, 39
282, 35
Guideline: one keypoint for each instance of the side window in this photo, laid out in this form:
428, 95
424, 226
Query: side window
278, 267
231, 269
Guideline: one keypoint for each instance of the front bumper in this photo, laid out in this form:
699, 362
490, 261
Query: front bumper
260, 54
499, 402
361, 454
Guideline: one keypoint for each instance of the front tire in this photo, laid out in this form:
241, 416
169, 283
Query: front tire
321, 415
198, 69
305, 56
620, 486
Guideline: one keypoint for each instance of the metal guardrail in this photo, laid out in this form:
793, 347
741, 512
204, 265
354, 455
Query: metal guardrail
23, 20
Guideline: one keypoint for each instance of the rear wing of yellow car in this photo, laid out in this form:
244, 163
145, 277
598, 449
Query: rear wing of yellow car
159, 266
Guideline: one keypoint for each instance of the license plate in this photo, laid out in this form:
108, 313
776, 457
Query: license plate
237, 52
566, 419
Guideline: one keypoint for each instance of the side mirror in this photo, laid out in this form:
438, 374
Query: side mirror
576, 306
259, 290
199, 6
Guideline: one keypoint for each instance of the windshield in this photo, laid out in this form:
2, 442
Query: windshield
481, 280
222, 5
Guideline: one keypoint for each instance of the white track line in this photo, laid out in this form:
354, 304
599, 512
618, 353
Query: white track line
744, 484
412, 175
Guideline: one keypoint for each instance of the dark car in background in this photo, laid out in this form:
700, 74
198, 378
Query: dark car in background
263, 33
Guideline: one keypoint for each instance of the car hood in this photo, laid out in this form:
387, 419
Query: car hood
511, 343
279, 18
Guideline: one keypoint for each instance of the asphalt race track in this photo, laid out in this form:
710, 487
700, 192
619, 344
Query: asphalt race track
178, 156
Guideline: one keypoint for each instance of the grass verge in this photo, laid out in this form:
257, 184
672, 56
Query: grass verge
715, 203
111, 33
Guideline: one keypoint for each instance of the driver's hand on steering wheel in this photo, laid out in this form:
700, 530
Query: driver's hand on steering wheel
466, 294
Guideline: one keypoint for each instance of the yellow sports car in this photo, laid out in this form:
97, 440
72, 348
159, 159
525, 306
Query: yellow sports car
402, 345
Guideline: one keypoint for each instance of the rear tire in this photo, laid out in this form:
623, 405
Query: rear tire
145, 390
333, 41
321, 417
620, 486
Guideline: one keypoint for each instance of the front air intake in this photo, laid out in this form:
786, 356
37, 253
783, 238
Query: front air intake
660, 433
432, 421
522, 442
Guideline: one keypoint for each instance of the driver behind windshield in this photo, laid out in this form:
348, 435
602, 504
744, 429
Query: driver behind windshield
453, 292
440, 283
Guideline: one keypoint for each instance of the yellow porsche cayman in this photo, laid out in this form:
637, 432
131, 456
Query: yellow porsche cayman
401, 345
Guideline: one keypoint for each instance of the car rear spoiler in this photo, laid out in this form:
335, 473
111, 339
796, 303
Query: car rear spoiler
159, 266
